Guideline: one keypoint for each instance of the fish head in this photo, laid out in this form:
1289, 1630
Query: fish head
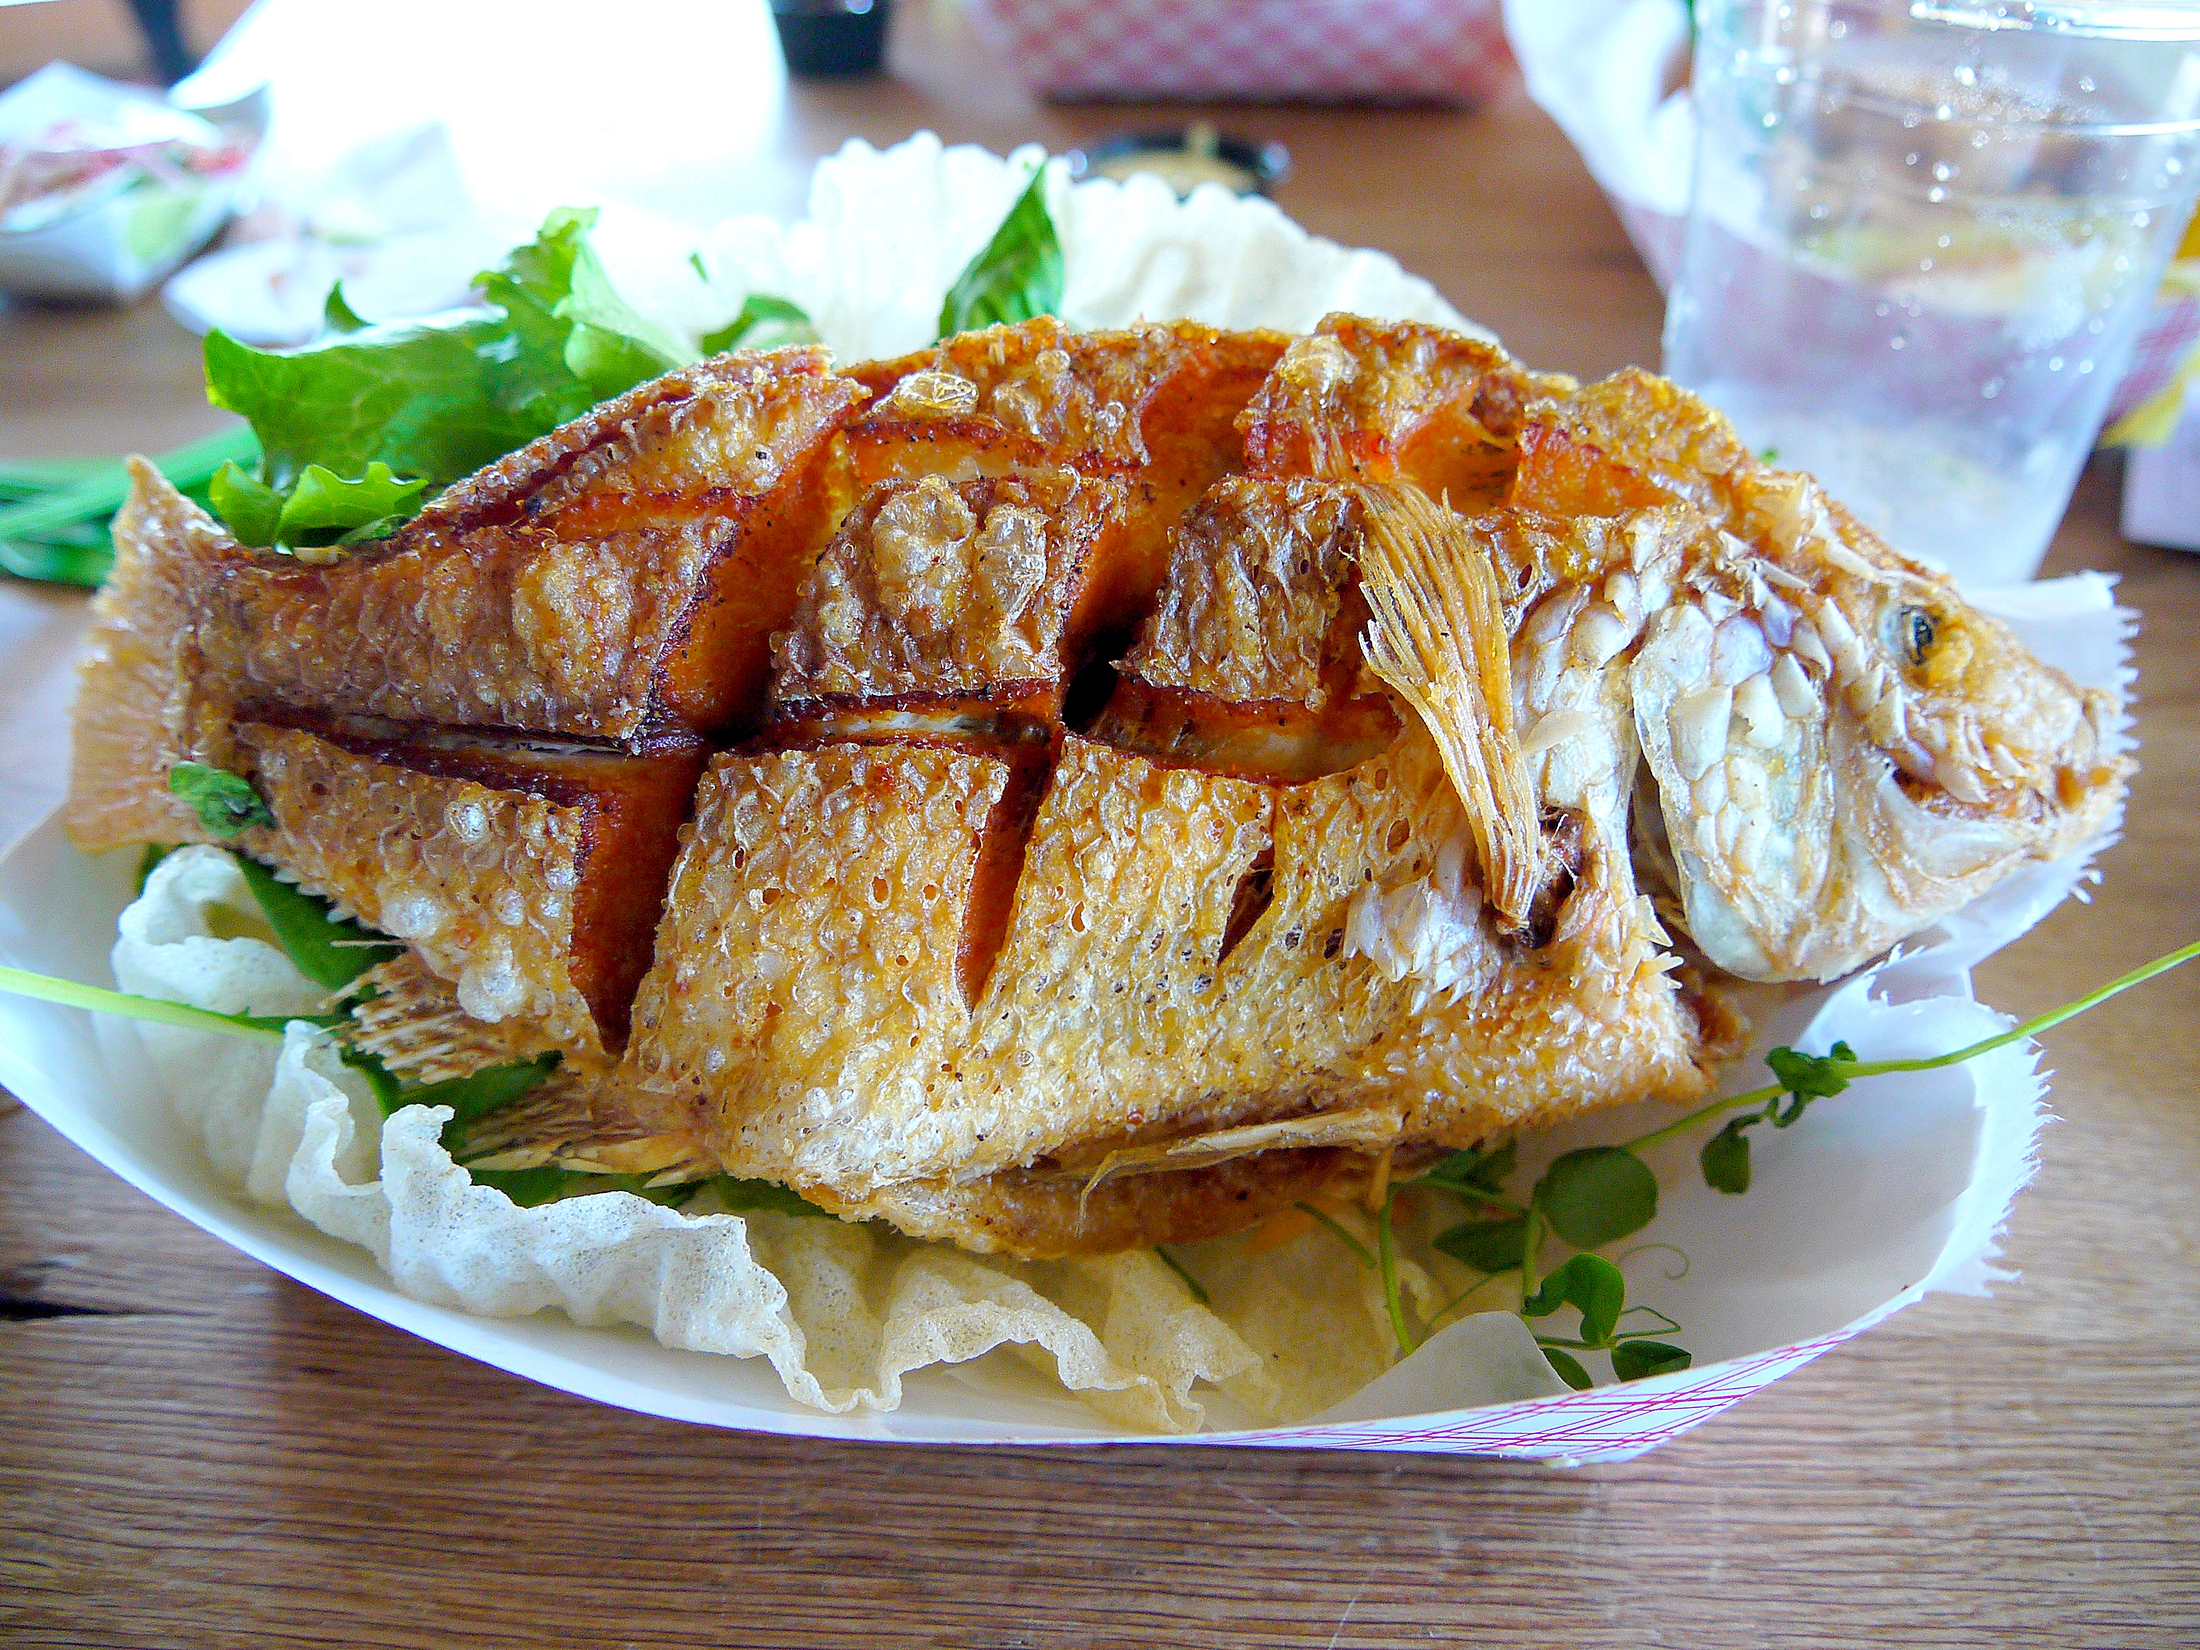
1846, 749
1975, 724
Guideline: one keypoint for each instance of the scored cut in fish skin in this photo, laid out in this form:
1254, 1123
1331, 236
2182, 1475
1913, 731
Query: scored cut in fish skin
1250, 663
948, 958
1219, 628
530, 881
618, 576
1112, 1013
1156, 404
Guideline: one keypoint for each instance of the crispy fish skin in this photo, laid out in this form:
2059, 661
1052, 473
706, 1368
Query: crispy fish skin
1157, 405
620, 574
517, 883
807, 952
1258, 591
1250, 664
933, 592
1103, 402
1363, 401
1113, 1012
136, 715
413, 1023
1053, 1217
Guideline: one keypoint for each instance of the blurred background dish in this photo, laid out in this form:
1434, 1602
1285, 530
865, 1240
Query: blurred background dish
832, 39
105, 188
1186, 159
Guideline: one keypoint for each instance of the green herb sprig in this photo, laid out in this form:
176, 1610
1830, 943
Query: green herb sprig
1592, 1197
57, 515
267, 1028
1198, 1290
225, 802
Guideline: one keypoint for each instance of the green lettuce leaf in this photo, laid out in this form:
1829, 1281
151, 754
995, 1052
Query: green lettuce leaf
356, 429
321, 507
415, 396
329, 950
740, 1197
531, 1188
1017, 276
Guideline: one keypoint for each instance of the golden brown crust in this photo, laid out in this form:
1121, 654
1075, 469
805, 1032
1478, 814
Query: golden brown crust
809, 1033
135, 710
564, 590
1256, 605
1157, 405
807, 949
515, 880
1365, 401
1051, 1217
1337, 860
941, 593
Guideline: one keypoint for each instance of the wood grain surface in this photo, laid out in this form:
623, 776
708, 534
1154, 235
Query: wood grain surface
196, 1452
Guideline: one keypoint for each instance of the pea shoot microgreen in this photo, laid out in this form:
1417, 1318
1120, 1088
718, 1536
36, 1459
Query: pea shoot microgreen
1360, 1251
1592, 1197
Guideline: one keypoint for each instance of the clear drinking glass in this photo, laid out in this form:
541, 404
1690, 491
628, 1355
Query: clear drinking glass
1922, 240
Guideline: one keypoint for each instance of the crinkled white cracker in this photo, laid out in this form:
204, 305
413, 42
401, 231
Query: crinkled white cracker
842, 1311
889, 231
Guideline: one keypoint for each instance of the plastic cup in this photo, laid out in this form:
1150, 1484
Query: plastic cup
1922, 240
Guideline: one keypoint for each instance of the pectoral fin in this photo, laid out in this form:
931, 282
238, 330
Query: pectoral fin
1438, 638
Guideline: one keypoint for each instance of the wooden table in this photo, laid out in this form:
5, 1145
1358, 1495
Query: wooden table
195, 1451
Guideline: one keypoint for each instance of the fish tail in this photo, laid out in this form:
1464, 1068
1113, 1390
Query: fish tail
134, 713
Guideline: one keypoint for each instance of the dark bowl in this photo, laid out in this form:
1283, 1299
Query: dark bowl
832, 39
1248, 168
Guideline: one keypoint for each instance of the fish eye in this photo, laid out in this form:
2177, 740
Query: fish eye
1915, 628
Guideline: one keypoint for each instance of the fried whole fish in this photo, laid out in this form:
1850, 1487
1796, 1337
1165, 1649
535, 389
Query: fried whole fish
1061, 791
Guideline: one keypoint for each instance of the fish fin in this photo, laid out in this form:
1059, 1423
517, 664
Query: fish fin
408, 1018
1369, 1129
1438, 637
